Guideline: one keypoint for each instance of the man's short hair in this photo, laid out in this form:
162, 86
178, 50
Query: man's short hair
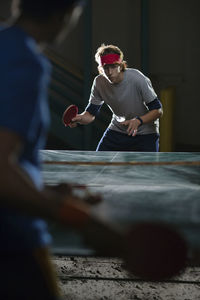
43, 8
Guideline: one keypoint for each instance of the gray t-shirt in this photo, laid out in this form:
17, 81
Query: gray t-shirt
126, 99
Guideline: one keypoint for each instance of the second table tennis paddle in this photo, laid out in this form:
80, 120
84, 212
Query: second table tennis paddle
155, 251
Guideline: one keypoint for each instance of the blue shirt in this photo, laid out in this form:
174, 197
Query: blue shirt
24, 78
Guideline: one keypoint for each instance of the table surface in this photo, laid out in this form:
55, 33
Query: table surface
135, 187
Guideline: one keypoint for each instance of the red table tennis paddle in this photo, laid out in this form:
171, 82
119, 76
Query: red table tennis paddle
69, 114
155, 251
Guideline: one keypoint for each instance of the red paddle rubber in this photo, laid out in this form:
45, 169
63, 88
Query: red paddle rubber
69, 114
155, 251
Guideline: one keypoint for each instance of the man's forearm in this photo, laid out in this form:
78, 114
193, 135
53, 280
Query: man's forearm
86, 118
151, 115
17, 191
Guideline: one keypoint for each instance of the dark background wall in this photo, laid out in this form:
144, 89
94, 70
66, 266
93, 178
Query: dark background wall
174, 48
159, 37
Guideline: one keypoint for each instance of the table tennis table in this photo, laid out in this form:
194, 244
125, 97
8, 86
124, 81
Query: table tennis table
135, 186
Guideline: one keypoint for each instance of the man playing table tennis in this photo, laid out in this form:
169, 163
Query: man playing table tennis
130, 96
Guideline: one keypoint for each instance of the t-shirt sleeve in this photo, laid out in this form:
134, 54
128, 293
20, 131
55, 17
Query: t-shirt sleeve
20, 88
95, 97
146, 89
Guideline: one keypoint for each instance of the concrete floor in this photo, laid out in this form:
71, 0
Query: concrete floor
94, 278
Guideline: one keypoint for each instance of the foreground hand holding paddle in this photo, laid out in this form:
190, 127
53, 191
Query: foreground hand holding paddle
153, 251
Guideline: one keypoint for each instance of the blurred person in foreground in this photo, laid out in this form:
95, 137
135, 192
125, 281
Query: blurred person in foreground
25, 202
129, 94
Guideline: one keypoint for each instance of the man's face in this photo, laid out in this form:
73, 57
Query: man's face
113, 73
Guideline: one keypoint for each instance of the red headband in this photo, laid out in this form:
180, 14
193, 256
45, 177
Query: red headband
110, 59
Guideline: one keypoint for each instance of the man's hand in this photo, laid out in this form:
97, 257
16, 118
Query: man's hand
75, 191
83, 119
74, 122
133, 125
62, 189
